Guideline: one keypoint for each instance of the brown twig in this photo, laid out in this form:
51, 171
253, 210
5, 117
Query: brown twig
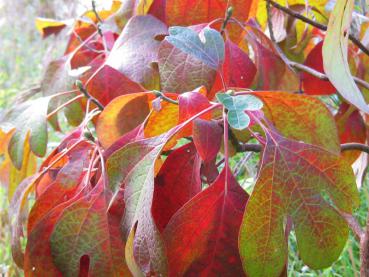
316, 24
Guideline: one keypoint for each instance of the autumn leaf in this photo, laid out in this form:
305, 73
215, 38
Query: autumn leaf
176, 183
312, 85
108, 83
122, 115
47, 26
131, 168
293, 181
72, 238
302, 118
29, 121
136, 50
238, 69
192, 12
207, 136
335, 55
201, 238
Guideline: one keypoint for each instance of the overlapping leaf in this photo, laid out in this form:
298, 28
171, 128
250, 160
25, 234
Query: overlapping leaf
136, 50
176, 183
188, 60
335, 55
201, 238
29, 121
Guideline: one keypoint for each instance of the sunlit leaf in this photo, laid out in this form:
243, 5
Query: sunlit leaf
122, 115
335, 55
136, 50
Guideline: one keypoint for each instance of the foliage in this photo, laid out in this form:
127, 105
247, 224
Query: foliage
143, 185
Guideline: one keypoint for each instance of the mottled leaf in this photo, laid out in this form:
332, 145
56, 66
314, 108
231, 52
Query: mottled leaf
201, 238
181, 72
294, 180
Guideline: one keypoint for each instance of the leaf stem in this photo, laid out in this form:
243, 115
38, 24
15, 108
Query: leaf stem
164, 97
63, 106
228, 15
82, 89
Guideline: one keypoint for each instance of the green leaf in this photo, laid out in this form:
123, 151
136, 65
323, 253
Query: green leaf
29, 118
236, 106
132, 168
335, 54
238, 119
240, 102
294, 181
208, 46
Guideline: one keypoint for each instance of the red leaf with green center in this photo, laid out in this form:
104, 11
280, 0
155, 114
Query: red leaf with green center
176, 183
202, 237
88, 228
294, 180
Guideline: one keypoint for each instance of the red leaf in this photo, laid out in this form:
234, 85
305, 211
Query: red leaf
238, 69
192, 12
207, 136
177, 182
190, 104
108, 83
311, 84
136, 50
351, 128
202, 237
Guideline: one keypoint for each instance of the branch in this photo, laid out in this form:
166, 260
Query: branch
364, 252
355, 146
89, 96
322, 76
316, 24
164, 97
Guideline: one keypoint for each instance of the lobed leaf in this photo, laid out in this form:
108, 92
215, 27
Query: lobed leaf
293, 181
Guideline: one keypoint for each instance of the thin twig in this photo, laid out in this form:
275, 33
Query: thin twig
316, 24
355, 146
302, 67
164, 97
89, 96
63, 106
322, 76
97, 17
